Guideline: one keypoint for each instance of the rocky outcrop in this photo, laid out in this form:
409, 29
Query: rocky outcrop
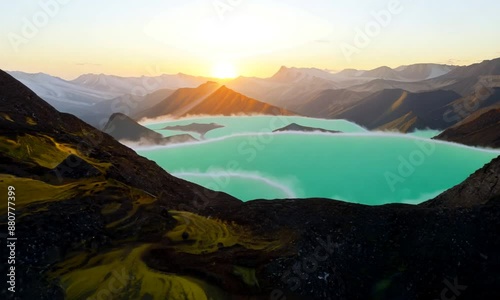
123, 128
297, 127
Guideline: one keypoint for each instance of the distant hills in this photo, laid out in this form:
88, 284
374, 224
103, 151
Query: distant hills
139, 86
290, 87
95, 97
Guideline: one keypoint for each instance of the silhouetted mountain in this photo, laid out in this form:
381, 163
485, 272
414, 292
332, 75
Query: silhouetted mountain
401, 110
210, 99
123, 128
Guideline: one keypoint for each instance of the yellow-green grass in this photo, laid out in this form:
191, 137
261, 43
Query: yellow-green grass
29, 191
6, 117
122, 274
196, 234
43, 150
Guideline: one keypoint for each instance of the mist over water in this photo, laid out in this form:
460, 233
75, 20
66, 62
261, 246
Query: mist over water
245, 160
428, 133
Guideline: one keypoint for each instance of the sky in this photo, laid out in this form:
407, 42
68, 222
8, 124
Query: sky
67, 38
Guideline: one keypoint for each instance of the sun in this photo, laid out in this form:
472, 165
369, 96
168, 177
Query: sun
224, 70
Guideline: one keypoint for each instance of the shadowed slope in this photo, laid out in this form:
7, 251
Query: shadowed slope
480, 129
385, 110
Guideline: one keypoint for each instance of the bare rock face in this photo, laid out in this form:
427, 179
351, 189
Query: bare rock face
480, 188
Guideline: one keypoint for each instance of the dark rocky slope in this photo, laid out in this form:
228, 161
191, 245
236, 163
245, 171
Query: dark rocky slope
482, 187
131, 231
479, 129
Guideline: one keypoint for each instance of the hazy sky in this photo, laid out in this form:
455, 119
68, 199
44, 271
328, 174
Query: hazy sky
72, 37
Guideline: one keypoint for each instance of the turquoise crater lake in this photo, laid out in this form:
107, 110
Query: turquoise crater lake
248, 161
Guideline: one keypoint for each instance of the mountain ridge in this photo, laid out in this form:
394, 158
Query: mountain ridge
210, 98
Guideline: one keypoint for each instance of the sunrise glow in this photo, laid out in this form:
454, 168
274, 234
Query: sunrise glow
224, 70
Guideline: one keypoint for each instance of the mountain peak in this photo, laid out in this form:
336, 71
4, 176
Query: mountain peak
209, 83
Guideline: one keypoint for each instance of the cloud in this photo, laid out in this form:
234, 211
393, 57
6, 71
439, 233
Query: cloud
250, 28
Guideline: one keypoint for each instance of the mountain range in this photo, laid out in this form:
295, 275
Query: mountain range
406, 98
95, 213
